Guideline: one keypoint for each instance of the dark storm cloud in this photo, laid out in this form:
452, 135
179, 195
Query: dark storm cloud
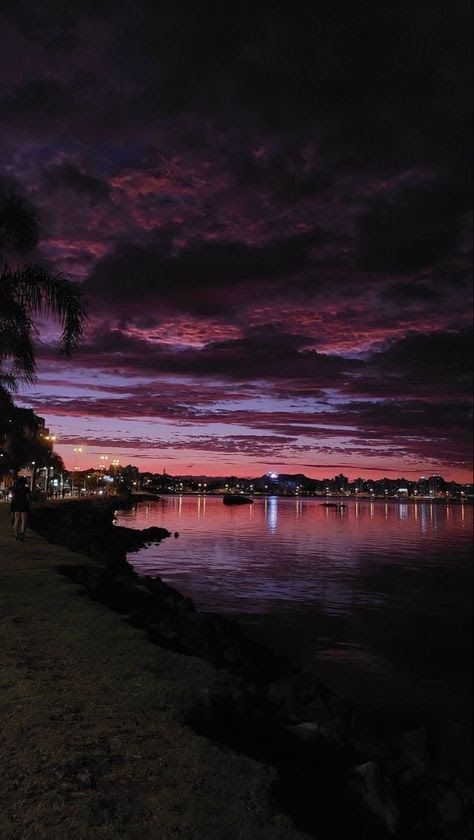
429, 430
203, 279
437, 364
263, 353
251, 445
269, 354
45, 98
67, 176
289, 176
412, 227
407, 417
397, 428
354, 75
410, 293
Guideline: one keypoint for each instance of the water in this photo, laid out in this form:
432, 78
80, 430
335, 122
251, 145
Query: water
376, 598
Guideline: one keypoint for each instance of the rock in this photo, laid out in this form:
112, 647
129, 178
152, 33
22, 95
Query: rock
302, 696
413, 746
448, 804
377, 792
412, 777
308, 732
231, 499
465, 792
312, 732
87, 527
376, 734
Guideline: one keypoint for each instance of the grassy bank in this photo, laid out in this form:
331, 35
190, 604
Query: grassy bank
92, 722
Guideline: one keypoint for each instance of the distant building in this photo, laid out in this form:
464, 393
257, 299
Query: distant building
436, 485
341, 483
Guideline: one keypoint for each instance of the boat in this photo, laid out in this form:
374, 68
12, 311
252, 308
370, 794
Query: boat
234, 499
337, 505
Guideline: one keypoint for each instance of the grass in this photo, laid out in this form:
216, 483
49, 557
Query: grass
92, 723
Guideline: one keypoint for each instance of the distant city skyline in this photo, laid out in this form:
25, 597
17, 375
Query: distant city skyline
269, 215
116, 466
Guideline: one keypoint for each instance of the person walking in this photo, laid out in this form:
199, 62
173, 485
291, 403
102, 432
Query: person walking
20, 508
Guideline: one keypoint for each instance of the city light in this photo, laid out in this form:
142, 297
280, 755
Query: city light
77, 450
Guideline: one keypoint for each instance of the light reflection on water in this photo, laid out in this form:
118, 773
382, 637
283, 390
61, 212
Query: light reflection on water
383, 587
293, 549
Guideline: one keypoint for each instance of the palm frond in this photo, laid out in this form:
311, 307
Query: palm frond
16, 347
42, 293
8, 384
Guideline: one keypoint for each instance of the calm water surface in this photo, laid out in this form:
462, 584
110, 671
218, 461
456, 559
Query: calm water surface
376, 597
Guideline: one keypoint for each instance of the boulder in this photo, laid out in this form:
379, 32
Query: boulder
368, 781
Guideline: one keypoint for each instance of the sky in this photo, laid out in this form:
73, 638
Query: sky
268, 208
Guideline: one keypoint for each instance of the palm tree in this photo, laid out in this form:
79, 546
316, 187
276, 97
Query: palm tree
28, 291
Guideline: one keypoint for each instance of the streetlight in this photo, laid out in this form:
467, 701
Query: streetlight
45, 478
32, 475
77, 450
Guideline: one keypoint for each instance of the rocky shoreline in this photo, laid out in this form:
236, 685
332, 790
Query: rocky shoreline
341, 770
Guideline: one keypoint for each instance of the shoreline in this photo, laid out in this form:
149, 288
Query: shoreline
384, 770
93, 722
150, 497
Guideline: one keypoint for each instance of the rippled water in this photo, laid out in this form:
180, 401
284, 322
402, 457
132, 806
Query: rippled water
376, 596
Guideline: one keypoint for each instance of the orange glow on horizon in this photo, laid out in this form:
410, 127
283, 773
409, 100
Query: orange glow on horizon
193, 465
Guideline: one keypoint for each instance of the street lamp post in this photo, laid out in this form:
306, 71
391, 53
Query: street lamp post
77, 450
51, 439
32, 481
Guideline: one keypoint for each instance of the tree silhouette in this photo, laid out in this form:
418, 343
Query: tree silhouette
28, 291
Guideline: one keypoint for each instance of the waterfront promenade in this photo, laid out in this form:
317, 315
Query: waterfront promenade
94, 742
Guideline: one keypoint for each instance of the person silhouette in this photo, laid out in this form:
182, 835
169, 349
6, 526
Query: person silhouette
20, 508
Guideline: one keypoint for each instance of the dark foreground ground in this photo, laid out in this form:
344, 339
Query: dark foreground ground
200, 735
92, 731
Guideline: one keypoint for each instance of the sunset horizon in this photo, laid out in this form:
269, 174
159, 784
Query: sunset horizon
217, 469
